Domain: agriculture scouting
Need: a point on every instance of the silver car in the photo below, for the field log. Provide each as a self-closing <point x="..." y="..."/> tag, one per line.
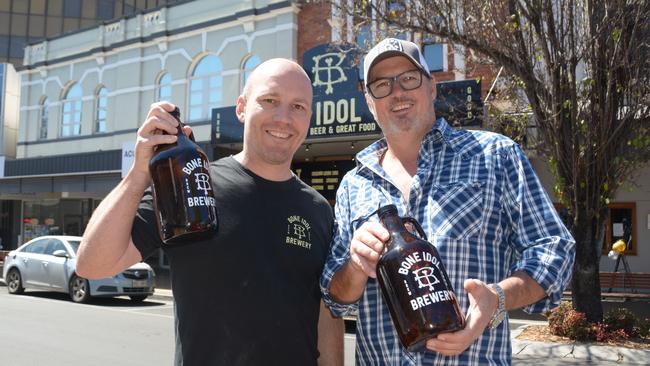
<point x="49" y="262"/>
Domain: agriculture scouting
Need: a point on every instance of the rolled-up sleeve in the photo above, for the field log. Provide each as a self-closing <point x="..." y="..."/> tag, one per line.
<point x="339" y="251"/>
<point x="545" y="248"/>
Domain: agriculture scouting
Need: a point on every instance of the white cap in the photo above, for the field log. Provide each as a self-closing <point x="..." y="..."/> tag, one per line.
<point x="390" y="47"/>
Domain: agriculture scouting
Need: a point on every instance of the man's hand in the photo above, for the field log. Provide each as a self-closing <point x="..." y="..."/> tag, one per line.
<point x="150" y="134"/>
<point x="367" y="246"/>
<point x="483" y="302"/>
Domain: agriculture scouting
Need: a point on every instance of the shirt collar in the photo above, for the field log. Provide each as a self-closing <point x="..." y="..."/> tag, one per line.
<point x="370" y="156"/>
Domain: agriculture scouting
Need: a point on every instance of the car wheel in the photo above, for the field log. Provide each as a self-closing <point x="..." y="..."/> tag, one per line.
<point x="14" y="282"/>
<point x="138" y="298"/>
<point x="79" y="289"/>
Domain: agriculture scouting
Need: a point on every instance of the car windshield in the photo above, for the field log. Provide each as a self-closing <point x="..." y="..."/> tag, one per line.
<point x="75" y="245"/>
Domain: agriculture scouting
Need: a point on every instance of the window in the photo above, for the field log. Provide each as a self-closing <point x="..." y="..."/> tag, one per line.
<point x="101" y="101"/>
<point x="53" y="246"/>
<point x="37" y="7"/>
<point x="247" y="68"/>
<point x="621" y="224"/>
<point x="206" y="88"/>
<point x="45" y="110"/>
<point x="71" y="123"/>
<point x="433" y="54"/>
<point x="164" y="87"/>
<point x="37" y="247"/>
<point x="105" y="9"/>
<point x="72" y="8"/>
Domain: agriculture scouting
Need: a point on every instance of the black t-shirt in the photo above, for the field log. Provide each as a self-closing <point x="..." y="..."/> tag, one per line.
<point x="250" y="295"/>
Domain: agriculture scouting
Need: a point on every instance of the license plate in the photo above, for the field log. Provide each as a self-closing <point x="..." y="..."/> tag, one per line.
<point x="139" y="283"/>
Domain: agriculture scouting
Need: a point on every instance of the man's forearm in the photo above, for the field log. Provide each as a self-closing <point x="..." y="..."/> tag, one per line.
<point x="330" y="338"/>
<point x="521" y="290"/>
<point x="105" y="245"/>
<point x="348" y="284"/>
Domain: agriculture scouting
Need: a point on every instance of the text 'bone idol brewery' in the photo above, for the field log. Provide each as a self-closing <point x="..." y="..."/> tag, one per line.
<point x="183" y="198"/>
<point x="413" y="280"/>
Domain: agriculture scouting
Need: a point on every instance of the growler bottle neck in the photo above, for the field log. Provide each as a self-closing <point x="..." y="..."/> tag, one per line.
<point x="393" y="223"/>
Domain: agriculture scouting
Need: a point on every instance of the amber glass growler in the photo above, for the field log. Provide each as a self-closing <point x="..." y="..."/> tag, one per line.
<point x="413" y="280"/>
<point x="183" y="198"/>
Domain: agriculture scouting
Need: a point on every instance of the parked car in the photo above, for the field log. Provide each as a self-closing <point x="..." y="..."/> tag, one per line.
<point x="49" y="262"/>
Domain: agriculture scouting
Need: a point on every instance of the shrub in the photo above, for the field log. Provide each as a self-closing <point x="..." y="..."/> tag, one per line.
<point x="618" y="324"/>
<point x="576" y="327"/>
<point x="600" y="332"/>
<point x="643" y="326"/>
<point x="556" y="318"/>
<point x="621" y="319"/>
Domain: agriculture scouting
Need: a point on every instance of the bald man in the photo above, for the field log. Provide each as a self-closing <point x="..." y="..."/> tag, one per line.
<point x="249" y="295"/>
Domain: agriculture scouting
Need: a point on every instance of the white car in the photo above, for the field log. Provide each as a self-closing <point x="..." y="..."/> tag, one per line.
<point x="49" y="262"/>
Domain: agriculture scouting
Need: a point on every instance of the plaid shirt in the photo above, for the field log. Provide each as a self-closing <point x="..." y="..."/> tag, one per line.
<point x="481" y="205"/>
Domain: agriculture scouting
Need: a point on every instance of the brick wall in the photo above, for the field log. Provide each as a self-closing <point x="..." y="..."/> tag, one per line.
<point x="313" y="28"/>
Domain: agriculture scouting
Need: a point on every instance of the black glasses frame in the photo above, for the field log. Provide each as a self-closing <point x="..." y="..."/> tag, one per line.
<point x="391" y="80"/>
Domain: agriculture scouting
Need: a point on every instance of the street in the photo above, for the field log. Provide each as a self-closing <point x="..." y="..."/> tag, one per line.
<point x="47" y="329"/>
<point x="41" y="328"/>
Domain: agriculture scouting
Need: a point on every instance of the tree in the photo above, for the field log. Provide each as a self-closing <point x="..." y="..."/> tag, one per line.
<point x="584" y="68"/>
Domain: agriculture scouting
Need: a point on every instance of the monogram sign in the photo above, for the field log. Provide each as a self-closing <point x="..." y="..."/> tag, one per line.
<point x="339" y="106"/>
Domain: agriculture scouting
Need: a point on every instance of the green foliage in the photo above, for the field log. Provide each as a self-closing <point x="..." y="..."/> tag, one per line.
<point x="621" y="319"/>
<point x="644" y="327"/>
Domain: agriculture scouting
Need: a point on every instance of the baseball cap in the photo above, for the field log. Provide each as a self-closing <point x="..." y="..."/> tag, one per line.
<point x="394" y="47"/>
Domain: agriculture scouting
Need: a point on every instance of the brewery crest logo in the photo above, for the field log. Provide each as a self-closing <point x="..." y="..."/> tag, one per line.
<point x="327" y="70"/>
<point x="298" y="232"/>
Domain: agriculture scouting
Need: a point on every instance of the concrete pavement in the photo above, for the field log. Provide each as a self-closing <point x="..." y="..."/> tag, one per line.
<point x="539" y="353"/>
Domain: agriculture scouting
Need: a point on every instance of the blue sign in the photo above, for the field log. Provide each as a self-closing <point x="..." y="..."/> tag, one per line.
<point x="339" y="104"/>
<point x="226" y="127"/>
<point x="459" y="102"/>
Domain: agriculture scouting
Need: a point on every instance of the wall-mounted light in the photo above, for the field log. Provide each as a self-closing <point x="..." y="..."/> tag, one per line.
<point x="352" y="145"/>
<point x="307" y="147"/>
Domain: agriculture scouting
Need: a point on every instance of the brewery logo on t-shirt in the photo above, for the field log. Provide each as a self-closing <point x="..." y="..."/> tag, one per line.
<point x="298" y="232"/>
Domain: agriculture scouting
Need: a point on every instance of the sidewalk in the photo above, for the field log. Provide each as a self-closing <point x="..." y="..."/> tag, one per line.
<point x="540" y="353"/>
<point x="530" y="352"/>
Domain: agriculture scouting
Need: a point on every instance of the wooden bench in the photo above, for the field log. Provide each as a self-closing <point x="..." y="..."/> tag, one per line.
<point x="632" y="285"/>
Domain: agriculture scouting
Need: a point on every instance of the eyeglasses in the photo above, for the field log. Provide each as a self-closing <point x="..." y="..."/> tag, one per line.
<point x="408" y="80"/>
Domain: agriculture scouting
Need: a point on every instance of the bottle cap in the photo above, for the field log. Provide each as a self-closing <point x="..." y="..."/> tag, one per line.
<point x="176" y="113"/>
<point x="388" y="209"/>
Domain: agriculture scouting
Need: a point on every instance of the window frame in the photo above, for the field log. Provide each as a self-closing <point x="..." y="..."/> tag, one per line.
<point x="99" y="123"/>
<point x="44" y="118"/>
<point x="610" y="238"/>
<point x="160" y="86"/>
<point x="75" y="123"/>
<point x="204" y="81"/>
<point x="246" y="70"/>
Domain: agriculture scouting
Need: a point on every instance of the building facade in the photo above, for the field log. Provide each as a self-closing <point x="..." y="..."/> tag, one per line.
<point x="84" y="95"/>
<point x="28" y="21"/>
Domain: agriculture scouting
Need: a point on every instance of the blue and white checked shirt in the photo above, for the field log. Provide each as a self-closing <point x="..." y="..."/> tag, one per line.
<point x="480" y="203"/>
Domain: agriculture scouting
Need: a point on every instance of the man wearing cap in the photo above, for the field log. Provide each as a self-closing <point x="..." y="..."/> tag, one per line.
<point x="478" y="200"/>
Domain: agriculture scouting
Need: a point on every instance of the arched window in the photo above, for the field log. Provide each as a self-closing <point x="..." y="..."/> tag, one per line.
<point x="247" y="68"/>
<point x="206" y="88"/>
<point x="71" y="123"/>
<point x="101" y="102"/>
<point x="45" y="111"/>
<point x="164" y="87"/>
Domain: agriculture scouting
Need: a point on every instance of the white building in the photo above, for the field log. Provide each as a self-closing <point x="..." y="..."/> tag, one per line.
<point x="85" y="94"/>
